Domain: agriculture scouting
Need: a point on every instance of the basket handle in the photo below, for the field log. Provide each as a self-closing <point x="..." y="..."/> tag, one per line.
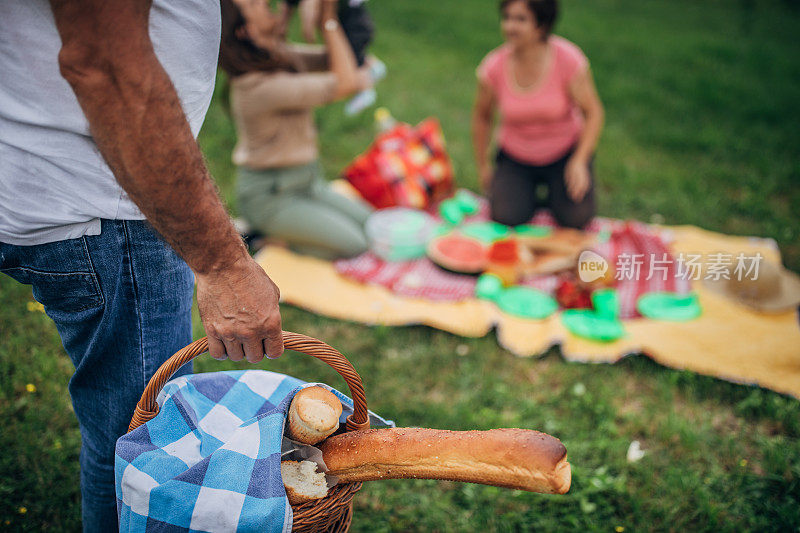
<point x="147" y="407"/>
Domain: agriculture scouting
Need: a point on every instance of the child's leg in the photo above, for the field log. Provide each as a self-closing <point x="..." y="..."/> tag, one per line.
<point x="358" y="27"/>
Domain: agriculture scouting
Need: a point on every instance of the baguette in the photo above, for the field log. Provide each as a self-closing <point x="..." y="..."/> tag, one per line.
<point x="513" y="458"/>
<point x="313" y="415"/>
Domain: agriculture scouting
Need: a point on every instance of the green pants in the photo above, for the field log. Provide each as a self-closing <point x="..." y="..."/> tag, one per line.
<point x="296" y="205"/>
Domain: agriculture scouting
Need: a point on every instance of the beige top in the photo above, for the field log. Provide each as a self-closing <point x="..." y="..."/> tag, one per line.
<point x="274" y="111"/>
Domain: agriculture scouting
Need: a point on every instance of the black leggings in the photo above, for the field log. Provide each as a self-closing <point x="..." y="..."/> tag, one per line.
<point x="358" y="28"/>
<point x="513" y="198"/>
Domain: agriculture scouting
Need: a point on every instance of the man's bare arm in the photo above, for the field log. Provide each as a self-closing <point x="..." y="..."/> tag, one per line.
<point x="139" y="126"/>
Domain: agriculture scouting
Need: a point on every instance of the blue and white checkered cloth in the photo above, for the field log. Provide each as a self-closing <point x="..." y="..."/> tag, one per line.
<point x="210" y="459"/>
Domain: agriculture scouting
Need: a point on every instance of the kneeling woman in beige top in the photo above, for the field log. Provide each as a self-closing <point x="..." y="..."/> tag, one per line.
<point x="275" y="87"/>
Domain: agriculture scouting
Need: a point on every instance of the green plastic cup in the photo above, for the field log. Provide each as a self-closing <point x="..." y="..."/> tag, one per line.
<point x="488" y="287"/>
<point x="451" y="212"/>
<point x="467" y="202"/>
<point x="589" y="325"/>
<point x="606" y="302"/>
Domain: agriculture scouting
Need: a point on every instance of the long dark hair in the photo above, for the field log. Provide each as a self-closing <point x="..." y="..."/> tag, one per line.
<point x="545" y="12"/>
<point x="239" y="56"/>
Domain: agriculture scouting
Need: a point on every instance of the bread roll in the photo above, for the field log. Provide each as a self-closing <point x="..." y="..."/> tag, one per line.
<point x="513" y="458"/>
<point x="302" y="481"/>
<point x="313" y="415"/>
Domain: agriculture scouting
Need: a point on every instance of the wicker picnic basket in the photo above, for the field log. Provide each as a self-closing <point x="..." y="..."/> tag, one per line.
<point x="332" y="513"/>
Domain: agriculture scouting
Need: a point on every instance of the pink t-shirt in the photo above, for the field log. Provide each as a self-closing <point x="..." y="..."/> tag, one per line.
<point x="539" y="125"/>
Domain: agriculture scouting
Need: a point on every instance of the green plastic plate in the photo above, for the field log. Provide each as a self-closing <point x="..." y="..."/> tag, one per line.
<point x="486" y="232"/>
<point x="533" y="231"/>
<point x="669" y="306"/>
<point x="589" y="325"/>
<point x="526" y="302"/>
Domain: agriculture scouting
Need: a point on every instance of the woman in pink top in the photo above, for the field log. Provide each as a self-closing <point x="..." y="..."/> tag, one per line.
<point x="550" y="119"/>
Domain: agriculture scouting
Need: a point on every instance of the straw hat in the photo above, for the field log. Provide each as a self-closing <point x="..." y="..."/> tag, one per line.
<point x="774" y="289"/>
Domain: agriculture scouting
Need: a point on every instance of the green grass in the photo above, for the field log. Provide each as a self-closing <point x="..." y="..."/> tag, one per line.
<point x="701" y="125"/>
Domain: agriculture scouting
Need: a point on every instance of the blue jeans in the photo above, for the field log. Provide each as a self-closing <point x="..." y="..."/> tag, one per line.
<point x="121" y="302"/>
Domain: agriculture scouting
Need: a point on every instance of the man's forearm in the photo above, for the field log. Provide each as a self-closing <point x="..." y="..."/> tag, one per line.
<point x="139" y="126"/>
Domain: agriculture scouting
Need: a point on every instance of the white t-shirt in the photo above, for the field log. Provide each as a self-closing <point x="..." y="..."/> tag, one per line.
<point x="54" y="184"/>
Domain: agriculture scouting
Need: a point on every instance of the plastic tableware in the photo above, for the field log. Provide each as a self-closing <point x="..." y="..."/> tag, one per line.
<point x="532" y="230"/>
<point x="399" y="233"/>
<point x="526" y="302"/>
<point x="603" y="236"/>
<point x="462" y="204"/>
<point x="486" y="232"/>
<point x="451" y="212"/>
<point x="669" y="306"/>
<point x="488" y="287"/>
<point x="606" y="302"/>
<point x="467" y="202"/>
<point x="589" y="325"/>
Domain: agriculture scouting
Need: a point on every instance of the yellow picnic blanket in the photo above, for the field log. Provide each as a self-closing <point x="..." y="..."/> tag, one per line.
<point x="728" y="341"/>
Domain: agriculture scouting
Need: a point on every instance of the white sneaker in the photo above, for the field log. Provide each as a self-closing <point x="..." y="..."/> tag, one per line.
<point x="377" y="69"/>
<point x="360" y="102"/>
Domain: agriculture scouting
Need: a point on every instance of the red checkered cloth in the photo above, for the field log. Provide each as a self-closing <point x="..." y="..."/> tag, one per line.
<point x="421" y="278"/>
<point x="644" y="264"/>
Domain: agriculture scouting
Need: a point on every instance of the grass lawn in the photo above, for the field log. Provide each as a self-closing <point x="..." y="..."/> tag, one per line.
<point x="701" y="104"/>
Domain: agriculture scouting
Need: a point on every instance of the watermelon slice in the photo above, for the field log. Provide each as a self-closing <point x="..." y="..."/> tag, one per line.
<point x="458" y="253"/>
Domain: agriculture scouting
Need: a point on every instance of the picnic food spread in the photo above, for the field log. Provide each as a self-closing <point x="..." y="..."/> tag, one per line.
<point x="491" y="247"/>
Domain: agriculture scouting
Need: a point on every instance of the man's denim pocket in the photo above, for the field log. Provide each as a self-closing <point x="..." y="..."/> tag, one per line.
<point x="61" y="274"/>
